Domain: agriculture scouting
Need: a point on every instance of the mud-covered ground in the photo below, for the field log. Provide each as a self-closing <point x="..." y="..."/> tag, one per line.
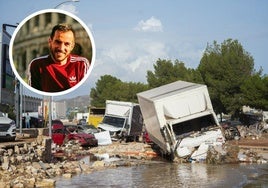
<point x="261" y="141"/>
<point x="21" y="168"/>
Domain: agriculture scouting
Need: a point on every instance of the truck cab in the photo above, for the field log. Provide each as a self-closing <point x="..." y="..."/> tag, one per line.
<point x="123" y="120"/>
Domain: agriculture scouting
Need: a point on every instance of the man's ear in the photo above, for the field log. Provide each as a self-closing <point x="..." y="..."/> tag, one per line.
<point x="73" y="45"/>
<point x="49" y="40"/>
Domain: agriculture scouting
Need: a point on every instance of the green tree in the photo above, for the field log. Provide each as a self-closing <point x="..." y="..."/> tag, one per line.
<point x="71" y="116"/>
<point x="224" y="68"/>
<point x="255" y="91"/>
<point x="135" y="88"/>
<point x="103" y="90"/>
<point x="111" y="88"/>
<point x="165" y="71"/>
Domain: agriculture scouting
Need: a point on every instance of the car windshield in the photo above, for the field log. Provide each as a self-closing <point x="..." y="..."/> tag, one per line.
<point x="1" y="114"/>
<point x="114" y="121"/>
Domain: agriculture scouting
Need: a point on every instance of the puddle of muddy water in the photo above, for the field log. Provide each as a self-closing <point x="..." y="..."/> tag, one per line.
<point x="164" y="174"/>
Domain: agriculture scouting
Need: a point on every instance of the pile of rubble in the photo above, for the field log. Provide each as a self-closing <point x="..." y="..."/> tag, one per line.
<point x="134" y="150"/>
<point x="38" y="163"/>
<point x="250" y="147"/>
<point x="233" y="153"/>
<point x="22" y="166"/>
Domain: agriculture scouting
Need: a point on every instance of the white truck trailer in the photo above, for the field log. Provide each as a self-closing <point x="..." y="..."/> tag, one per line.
<point x="180" y="120"/>
<point x="123" y="120"/>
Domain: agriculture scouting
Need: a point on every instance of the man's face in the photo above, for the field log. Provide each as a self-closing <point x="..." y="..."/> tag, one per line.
<point x="61" y="45"/>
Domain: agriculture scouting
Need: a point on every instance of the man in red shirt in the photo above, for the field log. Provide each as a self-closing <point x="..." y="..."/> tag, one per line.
<point x="60" y="70"/>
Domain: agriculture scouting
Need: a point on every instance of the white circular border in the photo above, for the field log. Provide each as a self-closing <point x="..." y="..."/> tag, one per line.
<point x="91" y="63"/>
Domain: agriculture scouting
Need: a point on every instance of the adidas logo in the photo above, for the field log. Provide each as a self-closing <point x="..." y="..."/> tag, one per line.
<point x="72" y="79"/>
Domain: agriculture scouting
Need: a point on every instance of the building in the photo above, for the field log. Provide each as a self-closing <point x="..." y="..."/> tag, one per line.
<point x="7" y="77"/>
<point x="60" y="109"/>
<point x="11" y="98"/>
<point x="30" y="104"/>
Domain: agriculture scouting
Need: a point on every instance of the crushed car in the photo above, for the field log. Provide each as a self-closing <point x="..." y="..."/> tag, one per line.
<point x="58" y="134"/>
<point x="61" y="134"/>
<point x="89" y="129"/>
<point x="231" y="131"/>
<point x="256" y="123"/>
<point x="84" y="139"/>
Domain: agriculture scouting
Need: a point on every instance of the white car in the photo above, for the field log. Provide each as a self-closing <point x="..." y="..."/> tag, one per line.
<point x="7" y="128"/>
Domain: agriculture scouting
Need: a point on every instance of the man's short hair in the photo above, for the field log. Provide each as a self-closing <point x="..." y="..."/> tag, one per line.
<point x="61" y="27"/>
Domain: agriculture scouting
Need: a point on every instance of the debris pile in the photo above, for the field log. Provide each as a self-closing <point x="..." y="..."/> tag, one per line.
<point x="32" y="166"/>
<point x="36" y="164"/>
<point x="250" y="148"/>
<point x="133" y="150"/>
<point x="24" y="166"/>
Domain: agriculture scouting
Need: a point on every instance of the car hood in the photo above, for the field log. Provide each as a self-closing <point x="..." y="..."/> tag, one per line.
<point x="5" y="120"/>
<point x="108" y="127"/>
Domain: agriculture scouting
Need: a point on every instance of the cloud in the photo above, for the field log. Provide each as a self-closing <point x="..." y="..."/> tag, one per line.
<point x="150" y="25"/>
<point x="189" y="53"/>
<point x="69" y="8"/>
<point x="119" y="53"/>
<point x="130" y="60"/>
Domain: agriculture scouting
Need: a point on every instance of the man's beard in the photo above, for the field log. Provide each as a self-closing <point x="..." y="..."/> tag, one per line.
<point x="53" y="54"/>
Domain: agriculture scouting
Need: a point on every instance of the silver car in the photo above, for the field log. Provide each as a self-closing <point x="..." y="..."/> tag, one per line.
<point x="7" y="128"/>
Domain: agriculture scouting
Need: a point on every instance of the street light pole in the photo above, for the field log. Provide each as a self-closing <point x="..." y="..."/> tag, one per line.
<point x="50" y="97"/>
<point x="50" y="116"/>
<point x="65" y="2"/>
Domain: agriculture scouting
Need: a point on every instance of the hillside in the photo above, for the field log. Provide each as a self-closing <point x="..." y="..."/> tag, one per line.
<point x="80" y="102"/>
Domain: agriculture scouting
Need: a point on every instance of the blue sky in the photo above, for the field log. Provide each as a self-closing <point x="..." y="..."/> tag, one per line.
<point x="131" y="35"/>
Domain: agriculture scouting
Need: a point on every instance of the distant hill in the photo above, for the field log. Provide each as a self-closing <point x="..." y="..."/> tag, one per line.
<point x="81" y="102"/>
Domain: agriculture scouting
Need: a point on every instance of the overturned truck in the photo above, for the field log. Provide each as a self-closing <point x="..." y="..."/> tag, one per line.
<point x="180" y="120"/>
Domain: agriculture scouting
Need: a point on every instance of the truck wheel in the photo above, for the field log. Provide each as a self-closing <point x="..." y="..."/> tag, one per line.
<point x="12" y="139"/>
<point x="171" y="156"/>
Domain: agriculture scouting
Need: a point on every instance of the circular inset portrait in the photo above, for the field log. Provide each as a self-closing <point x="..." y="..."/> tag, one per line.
<point x="52" y="52"/>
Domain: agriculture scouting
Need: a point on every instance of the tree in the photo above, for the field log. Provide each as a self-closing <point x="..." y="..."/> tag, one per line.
<point x="166" y="72"/>
<point x="111" y="88"/>
<point x="224" y="68"/>
<point x="103" y="90"/>
<point x="135" y="88"/>
<point x="255" y="91"/>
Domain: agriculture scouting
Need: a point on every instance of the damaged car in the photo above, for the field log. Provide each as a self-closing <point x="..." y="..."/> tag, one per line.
<point x="62" y="134"/>
<point x="231" y="132"/>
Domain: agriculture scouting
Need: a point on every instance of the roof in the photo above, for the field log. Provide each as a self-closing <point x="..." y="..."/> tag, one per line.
<point x="169" y="90"/>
